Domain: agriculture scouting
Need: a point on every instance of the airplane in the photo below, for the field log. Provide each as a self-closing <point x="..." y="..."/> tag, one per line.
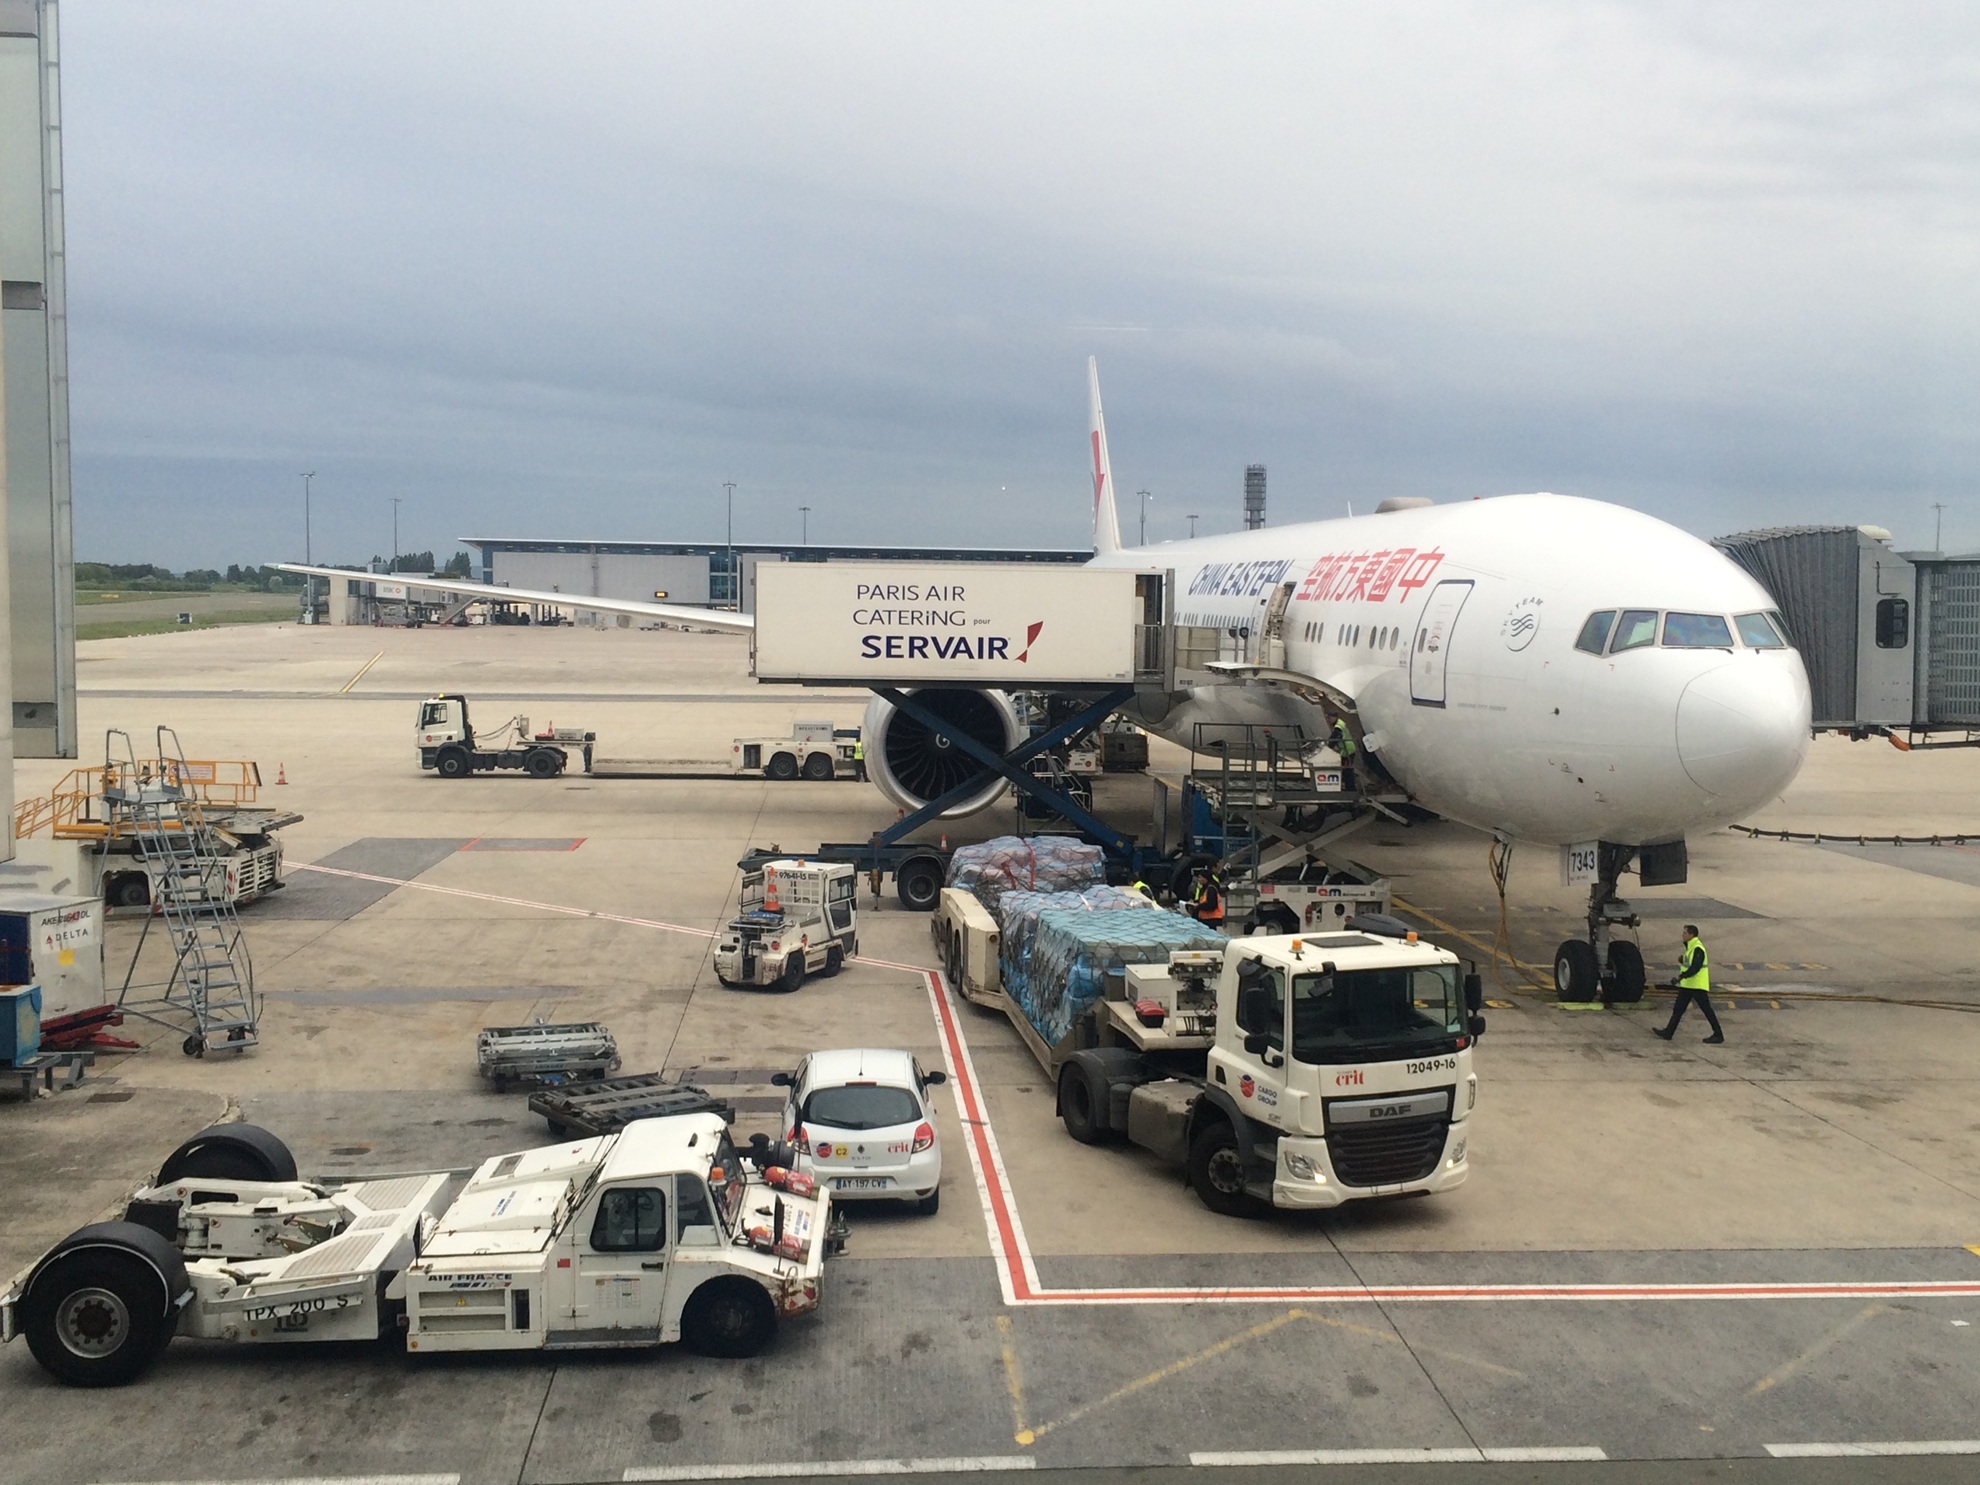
<point x="1549" y="669"/>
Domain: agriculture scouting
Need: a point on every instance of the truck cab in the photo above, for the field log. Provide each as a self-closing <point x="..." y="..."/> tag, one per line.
<point x="797" y="918"/>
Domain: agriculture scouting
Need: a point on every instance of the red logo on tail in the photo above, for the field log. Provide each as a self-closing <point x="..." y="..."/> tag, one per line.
<point x="1099" y="478"/>
<point x="1030" y="634"/>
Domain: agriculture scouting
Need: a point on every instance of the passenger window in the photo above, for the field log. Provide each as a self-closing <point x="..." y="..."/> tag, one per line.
<point x="630" y="1221"/>
<point x="1759" y="633"/>
<point x="1594" y="635"/>
<point x="1638" y="626"/>
<point x="1261" y="1002"/>
<point x="1893" y="623"/>
<point x="1697" y="632"/>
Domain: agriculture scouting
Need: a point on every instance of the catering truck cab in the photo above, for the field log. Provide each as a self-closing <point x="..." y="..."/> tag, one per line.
<point x="798" y="918"/>
<point x="657" y="1233"/>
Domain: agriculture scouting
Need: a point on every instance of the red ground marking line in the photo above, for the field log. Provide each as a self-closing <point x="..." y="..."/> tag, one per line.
<point x="1018" y="1275"/>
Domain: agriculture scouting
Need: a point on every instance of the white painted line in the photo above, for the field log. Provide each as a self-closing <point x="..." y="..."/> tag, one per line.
<point x="956" y="1464"/>
<point x="1874" y="1451"/>
<point x="325" y="1480"/>
<point x="1536" y="1454"/>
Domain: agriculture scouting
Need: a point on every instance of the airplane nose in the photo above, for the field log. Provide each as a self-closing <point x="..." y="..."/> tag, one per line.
<point x="1742" y="729"/>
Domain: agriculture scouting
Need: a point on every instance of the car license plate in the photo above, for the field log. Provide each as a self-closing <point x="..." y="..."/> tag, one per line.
<point x="862" y="1183"/>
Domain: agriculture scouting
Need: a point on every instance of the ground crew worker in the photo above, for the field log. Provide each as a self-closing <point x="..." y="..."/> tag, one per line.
<point x="1206" y="901"/>
<point x="1694" y="982"/>
<point x="1137" y="885"/>
<point x="859" y="759"/>
<point x="1343" y="740"/>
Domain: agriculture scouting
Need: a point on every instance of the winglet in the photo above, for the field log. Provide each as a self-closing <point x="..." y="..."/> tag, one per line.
<point x="1106" y="522"/>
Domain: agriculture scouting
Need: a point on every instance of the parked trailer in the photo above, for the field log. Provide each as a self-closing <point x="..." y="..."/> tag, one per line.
<point x="607" y="1106"/>
<point x="448" y="745"/>
<point x="545" y="1053"/>
<point x="1294" y="1071"/>
<point x="658" y="1233"/>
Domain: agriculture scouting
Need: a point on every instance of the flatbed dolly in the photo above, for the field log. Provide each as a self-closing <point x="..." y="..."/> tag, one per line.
<point x="581" y="1112"/>
<point x="545" y="1054"/>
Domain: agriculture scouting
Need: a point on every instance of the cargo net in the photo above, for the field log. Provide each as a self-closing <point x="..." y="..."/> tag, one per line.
<point x="1072" y="953"/>
<point x="1017" y="917"/>
<point x="1010" y="863"/>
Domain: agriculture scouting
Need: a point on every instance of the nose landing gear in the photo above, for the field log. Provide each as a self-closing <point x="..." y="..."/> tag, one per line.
<point x="1601" y="967"/>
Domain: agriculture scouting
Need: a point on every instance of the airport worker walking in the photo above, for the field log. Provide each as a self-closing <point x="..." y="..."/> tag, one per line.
<point x="859" y="760"/>
<point x="1694" y="983"/>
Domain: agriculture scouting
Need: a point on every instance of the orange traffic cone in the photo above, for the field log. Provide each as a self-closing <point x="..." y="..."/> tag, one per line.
<point x="281" y="773"/>
<point x="945" y="840"/>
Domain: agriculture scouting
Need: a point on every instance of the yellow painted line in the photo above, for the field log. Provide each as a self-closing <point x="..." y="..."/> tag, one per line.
<point x="1827" y="1343"/>
<point x="360" y="675"/>
<point x="1974" y="1249"/>
<point x="1014" y="1381"/>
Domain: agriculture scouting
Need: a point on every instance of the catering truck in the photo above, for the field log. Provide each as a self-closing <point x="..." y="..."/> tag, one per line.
<point x="1286" y="1071"/>
<point x="658" y="1232"/>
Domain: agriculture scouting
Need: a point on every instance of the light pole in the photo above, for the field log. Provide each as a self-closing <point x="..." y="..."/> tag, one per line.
<point x="735" y="588"/>
<point x="804" y="528"/>
<point x="307" y="476"/>
<point x="1938" y="524"/>
<point x="395" y="535"/>
<point x="1145" y="498"/>
<point x="1192" y="528"/>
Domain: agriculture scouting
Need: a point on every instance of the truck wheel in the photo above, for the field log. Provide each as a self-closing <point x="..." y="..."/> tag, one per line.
<point x="1078" y="1107"/>
<point x="1577" y="978"/>
<point x="1626" y="965"/>
<point x="1216" y="1171"/>
<point x="919" y="883"/>
<point x="727" y="983"/>
<point x="132" y="889"/>
<point x="728" y="1317"/>
<point x="793" y="975"/>
<point x="1275" y="919"/>
<point x="835" y="960"/>
<point x="453" y="763"/>
<point x="229" y="1152"/>
<point x="99" y="1309"/>
<point x="818" y="767"/>
<point x="781" y="766"/>
<point x="542" y="763"/>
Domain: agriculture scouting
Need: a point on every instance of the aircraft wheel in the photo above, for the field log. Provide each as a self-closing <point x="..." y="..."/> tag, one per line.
<point x="1577" y="977"/>
<point x="1626" y="969"/>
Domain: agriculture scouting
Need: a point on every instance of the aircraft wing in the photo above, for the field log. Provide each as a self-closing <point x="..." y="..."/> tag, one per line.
<point x="672" y="613"/>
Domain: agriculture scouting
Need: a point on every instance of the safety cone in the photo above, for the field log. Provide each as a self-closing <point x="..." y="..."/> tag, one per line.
<point x="945" y="840"/>
<point x="281" y="773"/>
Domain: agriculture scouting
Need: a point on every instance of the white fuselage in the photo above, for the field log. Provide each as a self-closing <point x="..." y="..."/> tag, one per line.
<point x="1453" y="627"/>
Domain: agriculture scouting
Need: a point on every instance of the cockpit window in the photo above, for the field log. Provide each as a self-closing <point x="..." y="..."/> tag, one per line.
<point x="1758" y="631"/>
<point x="1697" y="632"/>
<point x="1638" y="626"/>
<point x="1595" y="633"/>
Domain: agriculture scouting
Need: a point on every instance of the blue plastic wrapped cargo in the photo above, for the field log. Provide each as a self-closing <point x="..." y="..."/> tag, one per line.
<point x="1011" y="863"/>
<point x="1072" y="953"/>
<point x="1017" y="915"/>
<point x="20" y="1024"/>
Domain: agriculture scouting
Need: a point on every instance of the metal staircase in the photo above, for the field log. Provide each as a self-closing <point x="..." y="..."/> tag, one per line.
<point x="210" y="991"/>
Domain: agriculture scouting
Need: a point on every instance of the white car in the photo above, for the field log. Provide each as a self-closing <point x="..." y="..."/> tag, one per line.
<point x="860" y="1121"/>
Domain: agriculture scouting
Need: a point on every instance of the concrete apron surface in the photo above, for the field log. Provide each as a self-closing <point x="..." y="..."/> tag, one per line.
<point x="1830" y="1144"/>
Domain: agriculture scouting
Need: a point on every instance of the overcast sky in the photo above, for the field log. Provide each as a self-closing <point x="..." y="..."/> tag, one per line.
<point x="561" y="270"/>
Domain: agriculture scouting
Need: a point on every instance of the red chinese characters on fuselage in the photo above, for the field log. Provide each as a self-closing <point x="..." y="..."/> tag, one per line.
<point x="1368" y="577"/>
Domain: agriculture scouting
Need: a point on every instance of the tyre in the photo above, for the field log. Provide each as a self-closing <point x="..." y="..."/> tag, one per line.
<point x="835" y="960"/>
<point x="793" y="975"/>
<point x="919" y="883"/>
<point x="818" y="767"/>
<point x="781" y="766"/>
<point x="728" y="1317"/>
<point x="542" y="763"/>
<point x="930" y="1204"/>
<point x="1079" y="1109"/>
<point x="1577" y="978"/>
<point x="558" y="1131"/>
<point x="453" y="763"/>
<point x="1626" y="972"/>
<point x="99" y="1309"/>
<point x="1216" y="1171"/>
<point x="230" y="1152"/>
<point x="1275" y="919"/>
<point x="727" y="983"/>
<point x="132" y="889"/>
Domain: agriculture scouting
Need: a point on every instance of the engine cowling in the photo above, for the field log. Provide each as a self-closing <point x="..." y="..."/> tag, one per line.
<point x="912" y="764"/>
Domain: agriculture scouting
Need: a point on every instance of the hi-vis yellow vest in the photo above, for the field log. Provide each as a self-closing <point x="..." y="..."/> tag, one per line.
<point x="1702" y="980"/>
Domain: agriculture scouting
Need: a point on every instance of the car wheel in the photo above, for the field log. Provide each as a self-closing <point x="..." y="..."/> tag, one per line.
<point x="1216" y="1171"/>
<point x="229" y="1152"/>
<point x="728" y="1317"/>
<point x="782" y="766"/>
<point x="930" y="1204"/>
<point x="1577" y="978"/>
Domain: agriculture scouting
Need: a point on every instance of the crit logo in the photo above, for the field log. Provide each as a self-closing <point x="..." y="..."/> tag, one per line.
<point x="1246" y="1086"/>
<point x="1349" y="1079"/>
<point x="1031" y="632"/>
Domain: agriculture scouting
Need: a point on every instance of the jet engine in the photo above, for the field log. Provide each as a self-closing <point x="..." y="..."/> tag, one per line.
<point x="912" y="764"/>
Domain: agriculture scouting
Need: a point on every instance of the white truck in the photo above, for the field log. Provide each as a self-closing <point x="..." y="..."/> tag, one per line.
<point x="657" y="1233"/>
<point x="814" y="750"/>
<point x="448" y="745"/>
<point x="797" y="918"/>
<point x="1293" y="1071"/>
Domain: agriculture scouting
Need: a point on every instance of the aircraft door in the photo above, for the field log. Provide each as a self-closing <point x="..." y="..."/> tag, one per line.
<point x="1430" y="651"/>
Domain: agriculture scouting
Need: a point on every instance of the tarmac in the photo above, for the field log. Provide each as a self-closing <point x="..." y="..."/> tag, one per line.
<point x="1691" y="1262"/>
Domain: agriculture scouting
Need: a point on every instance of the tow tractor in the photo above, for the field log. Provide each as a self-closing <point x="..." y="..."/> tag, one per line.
<point x="1291" y="1071"/>
<point x="657" y="1233"/>
<point x="448" y="744"/>
<point x="797" y="918"/>
<point x="814" y="750"/>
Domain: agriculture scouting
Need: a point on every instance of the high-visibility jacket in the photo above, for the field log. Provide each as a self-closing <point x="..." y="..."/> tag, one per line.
<point x="1343" y="741"/>
<point x="859" y="751"/>
<point x="1141" y="887"/>
<point x="1207" y="902"/>
<point x="1696" y="973"/>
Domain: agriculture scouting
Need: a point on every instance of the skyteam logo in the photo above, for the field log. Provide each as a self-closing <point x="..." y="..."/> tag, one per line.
<point x="1521" y="624"/>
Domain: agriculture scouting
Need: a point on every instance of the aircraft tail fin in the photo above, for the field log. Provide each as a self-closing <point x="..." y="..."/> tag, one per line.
<point x="1106" y="520"/>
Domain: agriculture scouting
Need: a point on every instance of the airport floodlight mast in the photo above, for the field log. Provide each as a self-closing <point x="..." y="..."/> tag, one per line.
<point x="1145" y="498"/>
<point x="804" y="525"/>
<point x="307" y="476"/>
<point x="1938" y="525"/>
<point x="395" y="534"/>
<point x="735" y="587"/>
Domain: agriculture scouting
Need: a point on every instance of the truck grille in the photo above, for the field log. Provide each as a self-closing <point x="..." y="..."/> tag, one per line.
<point x="1387" y="1154"/>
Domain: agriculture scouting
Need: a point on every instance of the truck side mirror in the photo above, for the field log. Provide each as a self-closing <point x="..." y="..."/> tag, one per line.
<point x="1258" y="1042"/>
<point x="1255" y="1004"/>
<point x="1477" y="1027"/>
<point x="780" y="1080"/>
<point x="1474" y="993"/>
<point x="936" y="1079"/>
